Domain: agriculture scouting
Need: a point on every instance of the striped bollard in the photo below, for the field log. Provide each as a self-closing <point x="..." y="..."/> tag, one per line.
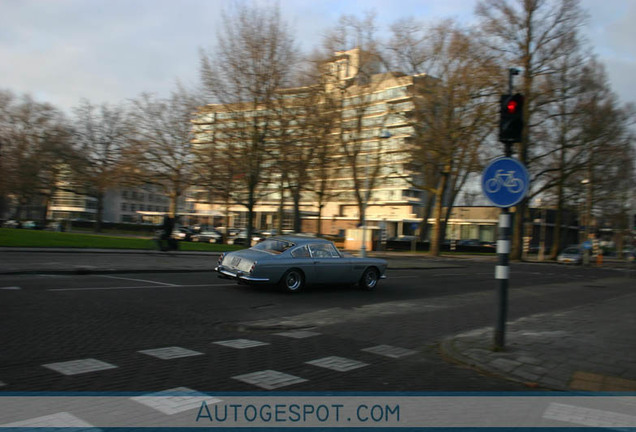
<point x="502" y="272"/>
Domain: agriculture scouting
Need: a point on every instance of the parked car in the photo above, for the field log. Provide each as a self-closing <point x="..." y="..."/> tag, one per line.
<point x="183" y="234"/>
<point x="208" y="236"/>
<point x="294" y="261"/>
<point x="570" y="255"/>
<point x="12" y="224"/>
<point x="34" y="225"/>
<point x="241" y="238"/>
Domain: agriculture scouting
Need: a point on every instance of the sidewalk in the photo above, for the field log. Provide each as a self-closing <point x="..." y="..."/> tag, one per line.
<point x="86" y="261"/>
<point x="586" y="348"/>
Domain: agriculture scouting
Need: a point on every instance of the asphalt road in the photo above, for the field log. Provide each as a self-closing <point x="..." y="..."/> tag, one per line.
<point x="152" y="332"/>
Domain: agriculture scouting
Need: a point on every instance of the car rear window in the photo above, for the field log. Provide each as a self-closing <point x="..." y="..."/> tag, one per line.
<point x="274" y="246"/>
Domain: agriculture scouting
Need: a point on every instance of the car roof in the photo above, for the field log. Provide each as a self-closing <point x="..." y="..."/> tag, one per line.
<point x="299" y="240"/>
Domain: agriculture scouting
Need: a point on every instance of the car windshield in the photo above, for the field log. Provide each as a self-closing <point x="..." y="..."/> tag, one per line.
<point x="571" y="251"/>
<point x="274" y="246"/>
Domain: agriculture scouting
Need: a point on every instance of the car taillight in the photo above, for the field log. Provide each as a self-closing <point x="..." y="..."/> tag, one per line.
<point x="221" y="258"/>
<point x="253" y="267"/>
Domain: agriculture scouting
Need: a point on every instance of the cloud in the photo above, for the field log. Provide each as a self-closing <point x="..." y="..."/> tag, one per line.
<point x="112" y="50"/>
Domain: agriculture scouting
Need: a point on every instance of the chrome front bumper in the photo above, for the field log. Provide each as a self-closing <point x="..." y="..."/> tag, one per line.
<point x="240" y="276"/>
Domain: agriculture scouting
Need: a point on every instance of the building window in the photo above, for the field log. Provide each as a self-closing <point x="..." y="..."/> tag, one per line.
<point x="124" y="207"/>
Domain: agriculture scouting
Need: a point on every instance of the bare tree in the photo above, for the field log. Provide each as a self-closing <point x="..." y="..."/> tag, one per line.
<point x="352" y="78"/>
<point x="100" y="140"/>
<point x="34" y="139"/>
<point x="532" y="35"/>
<point x="254" y="59"/>
<point x="162" y="148"/>
<point x="452" y="118"/>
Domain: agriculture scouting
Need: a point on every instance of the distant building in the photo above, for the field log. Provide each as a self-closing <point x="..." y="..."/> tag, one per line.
<point x="378" y="104"/>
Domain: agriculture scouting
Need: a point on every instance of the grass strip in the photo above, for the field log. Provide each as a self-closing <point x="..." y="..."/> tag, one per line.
<point x="35" y="238"/>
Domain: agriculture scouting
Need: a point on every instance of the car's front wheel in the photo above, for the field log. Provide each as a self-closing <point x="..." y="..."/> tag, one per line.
<point x="369" y="279"/>
<point x="293" y="281"/>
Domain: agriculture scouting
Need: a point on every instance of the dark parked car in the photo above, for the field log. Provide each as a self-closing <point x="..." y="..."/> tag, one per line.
<point x="241" y="238"/>
<point x="183" y="234"/>
<point x="208" y="236"/>
<point x="294" y="261"/>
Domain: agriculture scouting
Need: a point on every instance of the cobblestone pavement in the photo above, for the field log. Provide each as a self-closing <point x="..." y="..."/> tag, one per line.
<point x="586" y="348"/>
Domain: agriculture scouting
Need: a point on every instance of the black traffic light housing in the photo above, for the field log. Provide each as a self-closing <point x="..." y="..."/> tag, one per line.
<point x="511" y="118"/>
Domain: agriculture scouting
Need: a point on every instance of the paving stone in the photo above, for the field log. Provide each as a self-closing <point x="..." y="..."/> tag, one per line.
<point x="529" y="360"/>
<point x="526" y="375"/>
<point x="505" y="364"/>
<point x="75" y="367"/>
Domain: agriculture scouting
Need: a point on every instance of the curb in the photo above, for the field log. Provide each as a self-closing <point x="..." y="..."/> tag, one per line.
<point x="450" y="354"/>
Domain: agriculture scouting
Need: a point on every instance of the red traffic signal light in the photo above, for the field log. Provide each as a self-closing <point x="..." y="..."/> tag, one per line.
<point x="511" y="118"/>
<point x="512" y="106"/>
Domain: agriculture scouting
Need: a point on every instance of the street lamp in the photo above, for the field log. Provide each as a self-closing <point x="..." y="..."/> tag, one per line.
<point x="588" y="216"/>
<point x="363" y="245"/>
<point x="542" y="227"/>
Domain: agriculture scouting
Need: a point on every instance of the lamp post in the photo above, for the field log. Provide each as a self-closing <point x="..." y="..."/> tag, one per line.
<point x="541" y="256"/>
<point x="588" y="216"/>
<point x="367" y="193"/>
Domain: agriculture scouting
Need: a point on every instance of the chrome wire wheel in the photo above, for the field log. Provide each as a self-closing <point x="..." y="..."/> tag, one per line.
<point x="369" y="279"/>
<point x="293" y="281"/>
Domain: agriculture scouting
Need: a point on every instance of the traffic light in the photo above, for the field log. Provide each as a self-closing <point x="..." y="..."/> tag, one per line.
<point x="511" y="118"/>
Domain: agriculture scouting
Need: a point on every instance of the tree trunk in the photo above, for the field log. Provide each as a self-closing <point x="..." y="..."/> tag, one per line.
<point x="439" y="203"/>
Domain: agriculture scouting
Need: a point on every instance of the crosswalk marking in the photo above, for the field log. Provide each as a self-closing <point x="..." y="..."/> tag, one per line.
<point x="269" y="379"/>
<point x="169" y="353"/>
<point x="57" y="420"/>
<point x="75" y="367"/>
<point x="339" y="364"/>
<point x="176" y="400"/>
<point x="241" y="343"/>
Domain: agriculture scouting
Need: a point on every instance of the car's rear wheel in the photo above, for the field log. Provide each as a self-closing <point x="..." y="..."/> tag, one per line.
<point x="369" y="279"/>
<point x="293" y="280"/>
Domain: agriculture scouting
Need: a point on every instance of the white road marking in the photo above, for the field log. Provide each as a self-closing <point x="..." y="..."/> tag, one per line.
<point x="175" y="400"/>
<point x="139" y="280"/>
<point x="588" y="416"/>
<point x="75" y="367"/>
<point x="169" y="353"/>
<point x="11" y="288"/>
<point x="269" y="379"/>
<point x="241" y="343"/>
<point x="141" y="287"/>
<point x="58" y="420"/>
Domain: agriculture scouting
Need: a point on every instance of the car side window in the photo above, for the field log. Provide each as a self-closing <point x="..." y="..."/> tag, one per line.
<point x="323" y="250"/>
<point x="301" y="252"/>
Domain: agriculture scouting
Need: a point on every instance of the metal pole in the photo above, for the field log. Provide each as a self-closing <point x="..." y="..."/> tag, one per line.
<point x="363" y="247"/>
<point x="502" y="270"/>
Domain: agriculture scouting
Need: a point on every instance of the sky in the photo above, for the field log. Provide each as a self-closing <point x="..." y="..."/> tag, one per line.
<point x="109" y="51"/>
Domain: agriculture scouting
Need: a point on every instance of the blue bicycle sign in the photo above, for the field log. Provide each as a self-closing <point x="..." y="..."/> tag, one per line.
<point x="505" y="182"/>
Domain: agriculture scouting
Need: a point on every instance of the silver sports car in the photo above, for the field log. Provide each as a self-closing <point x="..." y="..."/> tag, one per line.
<point x="294" y="261"/>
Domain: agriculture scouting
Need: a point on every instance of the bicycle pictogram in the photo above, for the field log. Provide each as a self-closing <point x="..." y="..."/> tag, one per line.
<point x="504" y="179"/>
